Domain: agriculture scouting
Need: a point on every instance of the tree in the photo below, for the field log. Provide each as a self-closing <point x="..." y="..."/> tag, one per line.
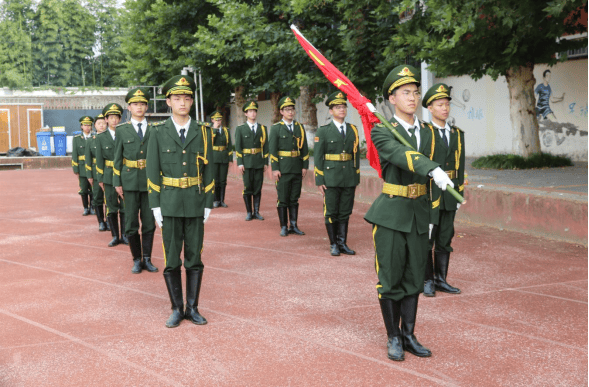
<point x="63" y="38"/>
<point x="15" y="47"/>
<point x="495" y="38"/>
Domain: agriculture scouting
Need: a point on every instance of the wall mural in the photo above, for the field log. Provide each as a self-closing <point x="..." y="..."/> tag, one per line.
<point x="553" y="130"/>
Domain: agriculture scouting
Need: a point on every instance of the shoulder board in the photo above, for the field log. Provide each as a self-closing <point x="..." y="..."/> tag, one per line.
<point x="457" y="128"/>
<point x="123" y="123"/>
<point x="280" y="123"/>
<point x="380" y="125"/>
<point x="156" y="123"/>
<point x="78" y="136"/>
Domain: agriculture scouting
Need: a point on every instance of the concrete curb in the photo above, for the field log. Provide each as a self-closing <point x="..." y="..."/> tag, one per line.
<point x="39" y="162"/>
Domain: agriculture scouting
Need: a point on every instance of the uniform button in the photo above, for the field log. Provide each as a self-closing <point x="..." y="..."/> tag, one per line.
<point x="184" y="151"/>
<point x="128" y="170"/>
<point x="184" y="163"/>
<point x="141" y="151"/>
<point x="168" y="150"/>
<point x="344" y="166"/>
<point x="185" y="174"/>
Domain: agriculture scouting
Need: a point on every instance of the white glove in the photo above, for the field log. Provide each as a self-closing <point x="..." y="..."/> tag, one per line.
<point x="431" y="227"/>
<point x="207" y="214"/>
<point x="441" y="179"/>
<point x="157" y="214"/>
<point x="457" y="206"/>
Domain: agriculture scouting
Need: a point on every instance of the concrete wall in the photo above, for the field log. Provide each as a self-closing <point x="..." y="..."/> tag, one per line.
<point x="481" y="109"/>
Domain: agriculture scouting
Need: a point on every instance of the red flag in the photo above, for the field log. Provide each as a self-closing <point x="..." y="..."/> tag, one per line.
<point x="357" y="100"/>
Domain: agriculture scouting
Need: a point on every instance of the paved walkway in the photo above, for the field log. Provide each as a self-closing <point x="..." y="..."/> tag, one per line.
<point x="281" y="311"/>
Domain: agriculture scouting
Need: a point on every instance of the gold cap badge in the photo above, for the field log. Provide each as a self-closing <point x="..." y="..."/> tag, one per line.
<point x="441" y="89"/>
<point x="406" y="72"/>
<point x="182" y="82"/>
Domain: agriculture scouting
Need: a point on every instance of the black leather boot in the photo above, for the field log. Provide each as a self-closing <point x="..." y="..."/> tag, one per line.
<point x="124" y="239"/>
<point x="257" y="199"/>
<point x="135" y="246"/>
<point x="100" y="216"/>
<point x="248" y="206"/>
<point x="429" y="289"/>
<point x="442" y="260"/>
<point x="342" y="237"/>
<point x="216" y="200"/>
<point x="90" y="198"/>
<point x="408" y="316"/>
<point x="113" y="219"/>
<point x="147" y="246"/>
<point x="294" y="215"/>
<point x="193" y="283"/>
<point x="282" y="217"/>
<point x="222" y="196"/>
<point x="174" y="284"/>
<point x="391" y="314"/>
<point x="331" y="227"/>
<point x="441" y="265"/>
<point x="85" y="204"/>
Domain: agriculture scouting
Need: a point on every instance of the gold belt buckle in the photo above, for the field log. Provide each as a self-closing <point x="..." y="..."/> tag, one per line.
<point x="412" y="191"/>
<point x="294" y="153"/>
<point x="183" y="183"/>
<point x="140" y="164"/>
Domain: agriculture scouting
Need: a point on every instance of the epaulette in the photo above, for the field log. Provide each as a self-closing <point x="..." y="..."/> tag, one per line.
<point x="78" y="135"/>
<point x="199" y="123"/>
<point x="380" y="125"/>
<point x="157" y="123"/>
<point x="123" y="123"/>
<point x="457" y="128"/>
<point x="94" y="137"/>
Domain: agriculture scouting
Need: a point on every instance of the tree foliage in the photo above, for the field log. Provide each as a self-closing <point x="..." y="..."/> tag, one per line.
<point x="15" y="46"/>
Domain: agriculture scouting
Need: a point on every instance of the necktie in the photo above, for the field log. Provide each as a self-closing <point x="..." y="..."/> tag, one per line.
<point x="341" y="130"/>
<point x="290" y="127"/>
<point x="413" y="138"/>
<point x="140" y="132"/>
<point x="444" y="138"/>
<point x="254" y="129"/>
<point x="182" y="136"/>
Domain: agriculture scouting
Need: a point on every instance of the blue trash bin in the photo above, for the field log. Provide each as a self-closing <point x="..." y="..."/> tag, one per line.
<point x="60" y="142"/>
<point x="44" y="143"/>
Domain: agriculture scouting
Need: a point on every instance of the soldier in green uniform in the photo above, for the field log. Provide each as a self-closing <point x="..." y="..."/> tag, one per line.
<point x="130" y="180"/>
<point x="181" y="185"/>
<point x="97" y="193"/>
<point x="289" y="159"/>
<point x="79" y="143"/>
<point x="222" y="156"/>
<point x="401" y="214"/>
<point x="105" y="155"/>
<point x="450" y="155"/>
<point x="337" y="171"/>
<point x="251" y="149"/>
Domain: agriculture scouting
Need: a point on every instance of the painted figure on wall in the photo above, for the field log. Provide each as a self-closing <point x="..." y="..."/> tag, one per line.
<point x="544" y="91"/>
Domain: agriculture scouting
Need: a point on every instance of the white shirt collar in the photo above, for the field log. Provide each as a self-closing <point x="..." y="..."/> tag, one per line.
<point x="112" y="133"/>
<point x="287" y="123"/>
<point x="407" y="125"/>
<point x="252" y="126"/>
<point x="446" y="127"/>
<point x="185" y="126"/>
<point x="338" y="125"/>
<point x="143" y="124"/>
<point x="86" y="137"/>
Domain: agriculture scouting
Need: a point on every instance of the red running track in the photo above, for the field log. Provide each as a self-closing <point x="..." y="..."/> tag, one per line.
<point x="281" y="311"/>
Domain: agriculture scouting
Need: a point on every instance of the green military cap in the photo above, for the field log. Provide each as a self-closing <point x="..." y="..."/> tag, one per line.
<point x="179" y="85"/>
<point x="86" y="120"/>
<point x="137" y="95"/>
<point x="285" y="101"/>
<point x="399" y="76"/>
<point x="437" y="91"/>
<point x="336" y="98"/>
<point x="113" y="109"/>
<point x="216" y="115"/>
<point x="99" y="117"/>
<point x="250" y="105"/>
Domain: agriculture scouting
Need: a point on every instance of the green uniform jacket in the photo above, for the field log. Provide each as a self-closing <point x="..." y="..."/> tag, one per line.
<point x="128" y="146"/>
<point x="225" y="156"/>
<point x="244" y="139"/>
<point x="167" y="156"/>
<point x="450" y="158"/>
<point x="328" y="140"/>
<point x="79" y="150"/>
<point x="282" y="140"/>
<point x="90" y="154"/>
<point x="105" y="151"/>
<point x="403" y="166"/>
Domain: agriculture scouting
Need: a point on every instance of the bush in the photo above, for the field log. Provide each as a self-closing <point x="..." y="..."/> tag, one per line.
<point x="507" y="161"/>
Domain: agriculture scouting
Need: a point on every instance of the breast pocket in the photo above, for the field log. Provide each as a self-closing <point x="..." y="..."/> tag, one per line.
<point x="333" y="146"/>
<point x="168" y="154"/>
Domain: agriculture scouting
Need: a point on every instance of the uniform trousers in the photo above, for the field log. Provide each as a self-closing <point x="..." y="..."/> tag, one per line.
<point x="253" y="178"/>
<point x="187" y="231"/>
<point x="443" y="233"/>
<point x="114" y="203"/>
<point x="97" y="194"/>
<point x="136" y="207"/>
<point x="289" y="189"/>
<point x="221" y="170"/>
<point x="338" y="203"/>
<point x="84" y="184"/>
<point x="399" y="261"/>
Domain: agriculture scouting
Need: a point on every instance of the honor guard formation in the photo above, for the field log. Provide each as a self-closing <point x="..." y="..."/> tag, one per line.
<point x="174" y="173"/>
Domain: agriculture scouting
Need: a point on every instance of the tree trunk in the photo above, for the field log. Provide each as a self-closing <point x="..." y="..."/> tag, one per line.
<point x="276" y="116"/>
<point x="308" y="113"/>
<point x="239" y="102"/>
<point x="521" y="81"/>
